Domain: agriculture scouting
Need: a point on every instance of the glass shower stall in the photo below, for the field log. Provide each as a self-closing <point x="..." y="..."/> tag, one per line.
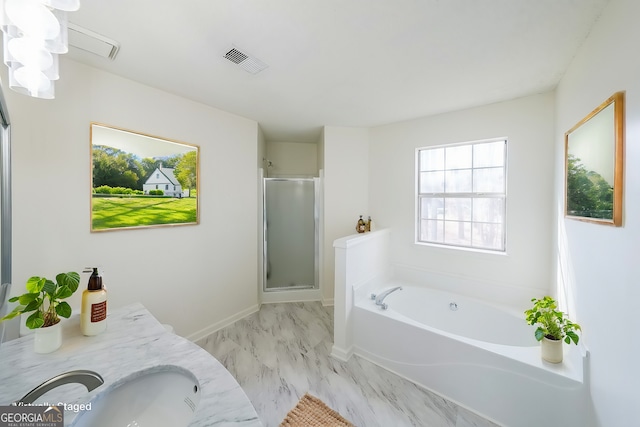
<point x="290" y="234"/>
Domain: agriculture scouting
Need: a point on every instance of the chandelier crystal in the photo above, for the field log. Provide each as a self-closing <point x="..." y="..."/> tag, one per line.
<point x="34" y="34"/>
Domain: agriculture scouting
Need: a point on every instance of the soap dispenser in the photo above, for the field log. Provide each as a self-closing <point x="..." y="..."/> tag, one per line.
<point x="93" y="316"/>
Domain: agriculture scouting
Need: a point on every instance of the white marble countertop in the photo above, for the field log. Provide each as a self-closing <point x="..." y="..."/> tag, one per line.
<point x="134" y="340"/>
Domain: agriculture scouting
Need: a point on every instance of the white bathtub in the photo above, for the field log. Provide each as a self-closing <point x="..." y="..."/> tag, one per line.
<point x="480" y="356"/>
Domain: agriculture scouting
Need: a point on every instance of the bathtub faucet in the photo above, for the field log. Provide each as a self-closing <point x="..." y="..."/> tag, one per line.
<point x="380" y="298"/>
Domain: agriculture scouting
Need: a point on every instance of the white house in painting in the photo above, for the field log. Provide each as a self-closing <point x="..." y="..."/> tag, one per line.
<point x="163" y="179"/>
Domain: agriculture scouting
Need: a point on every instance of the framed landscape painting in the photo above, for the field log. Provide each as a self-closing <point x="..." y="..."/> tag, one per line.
<point x="140" y="180"/>
<point x="594" y="161"/>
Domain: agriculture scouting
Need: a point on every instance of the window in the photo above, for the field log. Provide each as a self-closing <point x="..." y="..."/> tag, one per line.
<point x="461" y="195"/>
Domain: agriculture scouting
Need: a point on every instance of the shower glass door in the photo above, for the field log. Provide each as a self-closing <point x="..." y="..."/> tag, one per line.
<point x="290" y="219"/>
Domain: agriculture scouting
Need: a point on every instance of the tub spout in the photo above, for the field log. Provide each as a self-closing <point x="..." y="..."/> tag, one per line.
<point x="380" y="298"/>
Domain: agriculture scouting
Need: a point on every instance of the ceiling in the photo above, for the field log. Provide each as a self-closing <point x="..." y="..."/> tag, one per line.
<point x="340" y="62"/>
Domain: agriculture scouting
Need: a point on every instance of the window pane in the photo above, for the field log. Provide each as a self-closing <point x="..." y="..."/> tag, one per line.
<point x="457" y="209"/>
<point x="458" y="157"/>
<point x="458" y="181"/>
<point x="488" y="210"/>
<point x="489" y="236"/>
<point x="461" y="195"/>
<point x="432" y="159"/>
<point x="432" y="182"/>
<point x="431" y="208"/>
<point x="488" y="180"/>
<point x="457" y="233"/>
<point x="432" y="231"/>
<point x="488" y="154"/>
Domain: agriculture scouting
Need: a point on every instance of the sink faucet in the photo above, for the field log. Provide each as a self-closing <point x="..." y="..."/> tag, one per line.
<point x="89" y="379"/>
<point x="380" y="298"/>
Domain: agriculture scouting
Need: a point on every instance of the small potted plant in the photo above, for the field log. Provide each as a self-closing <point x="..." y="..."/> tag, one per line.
<point x="44" y="298"/>
<point x="553" y="328"/>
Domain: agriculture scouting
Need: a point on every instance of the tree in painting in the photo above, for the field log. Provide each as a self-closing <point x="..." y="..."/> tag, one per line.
<point x="588" y="193"/>
<point x="186" y="171"/>
<point x="116" y="168"/>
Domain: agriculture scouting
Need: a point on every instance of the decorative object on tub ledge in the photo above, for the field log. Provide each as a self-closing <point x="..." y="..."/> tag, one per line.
<point x="361" y="226"/>
<point x="313" y="412"/>
<point x="553" y="327"/>
<point x="44" y="297"/>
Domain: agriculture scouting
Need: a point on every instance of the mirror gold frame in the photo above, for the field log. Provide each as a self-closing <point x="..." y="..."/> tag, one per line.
<point x="140" y="180"/>
<point x="594" y="161"/>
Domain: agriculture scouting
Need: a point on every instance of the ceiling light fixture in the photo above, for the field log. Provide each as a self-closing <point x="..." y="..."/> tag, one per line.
<point x="34" y="34"/>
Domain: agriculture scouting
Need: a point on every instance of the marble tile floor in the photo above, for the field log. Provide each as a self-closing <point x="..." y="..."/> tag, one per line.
<point x="282" y="352"/>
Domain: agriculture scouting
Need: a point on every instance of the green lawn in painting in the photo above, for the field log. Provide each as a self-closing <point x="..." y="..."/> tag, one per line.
<point x="119" y="212"/>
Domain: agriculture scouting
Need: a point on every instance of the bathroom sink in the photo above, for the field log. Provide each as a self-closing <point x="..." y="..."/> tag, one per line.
<point x="156" y="397"/>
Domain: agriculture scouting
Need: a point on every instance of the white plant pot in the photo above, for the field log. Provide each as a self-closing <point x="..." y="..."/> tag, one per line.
<point x="49" y="339"/>
<point x="551" y="350"/>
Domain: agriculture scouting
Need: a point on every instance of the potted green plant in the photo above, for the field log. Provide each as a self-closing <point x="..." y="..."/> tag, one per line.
<point x="553" y="327"/>
<point x="44" y="298"/>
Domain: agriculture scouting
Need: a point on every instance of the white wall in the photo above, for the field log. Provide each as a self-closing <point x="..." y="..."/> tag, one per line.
<point x="262" y="173"/>
<point x="362" y="262"/>
<point x="262" y="149"/>
<point x="216" y="278"/>
<point x="292" y="159"/>
<point x="321" y="223"/>
<point x="596" y="265"/>
<point x="320" y="147"/>
<point x="346" y="191"/>
<point x="528" y="125"/>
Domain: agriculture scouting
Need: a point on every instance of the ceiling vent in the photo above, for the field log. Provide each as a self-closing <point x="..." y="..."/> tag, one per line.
<point x="92" y="42"/>
<point x="245" y="61"/>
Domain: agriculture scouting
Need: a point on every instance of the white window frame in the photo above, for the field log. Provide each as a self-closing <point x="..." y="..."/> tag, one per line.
<point x="470" y="195"/>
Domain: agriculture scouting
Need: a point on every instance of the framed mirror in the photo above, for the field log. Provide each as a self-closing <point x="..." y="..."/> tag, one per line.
<point x="140" y="180"/>
<point x="594" y="158"/>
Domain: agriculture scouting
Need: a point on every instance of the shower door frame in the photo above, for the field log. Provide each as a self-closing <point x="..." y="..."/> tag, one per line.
<point x="5" y="210"/>
<point x="316" y="237"/>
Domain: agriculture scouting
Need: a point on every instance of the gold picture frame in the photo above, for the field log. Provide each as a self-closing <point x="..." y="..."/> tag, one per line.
<point x="594" y="161"/>
<point x="140" y="180"/>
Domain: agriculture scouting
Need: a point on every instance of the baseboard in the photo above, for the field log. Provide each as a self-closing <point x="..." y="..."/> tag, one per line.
<point x="300" y="295"/>
<point x="202" y="333"/>
<point x="341" y="354"/>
